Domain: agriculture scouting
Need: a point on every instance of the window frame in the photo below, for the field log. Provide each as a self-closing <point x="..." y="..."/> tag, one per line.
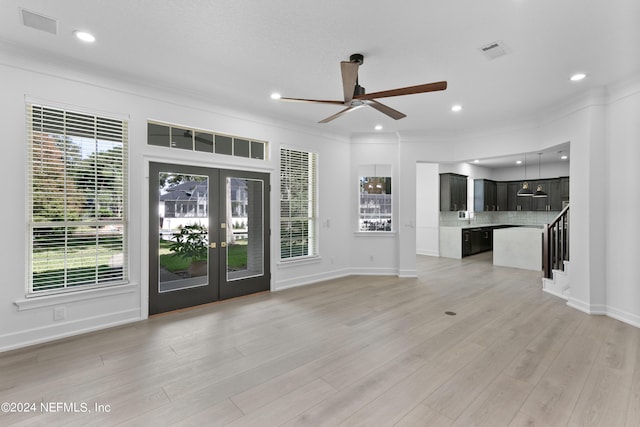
<point x="311" y="219"/>
<point x="378" y="174"/>
<point x="64" y="127"/>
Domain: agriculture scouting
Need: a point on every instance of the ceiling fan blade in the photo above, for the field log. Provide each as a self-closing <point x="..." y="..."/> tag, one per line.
<point x="429" y="87"/>
<point x="317" y="101"/>
<point x="340" y="113"/>
<point x="349" y="79"/>
<point x="394" y="114"/>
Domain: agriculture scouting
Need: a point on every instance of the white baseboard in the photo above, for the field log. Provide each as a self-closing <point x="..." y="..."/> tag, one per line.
<point x="310" y="279"/>
<point x="624" y="316"/>
<point x="427" y="252"/>
<point x="368" y="271"/>
<point x="408" y="273"/>
<point x="555" y="289"/>
<point x="578" y="305"/>
<point x="67" y="329"/>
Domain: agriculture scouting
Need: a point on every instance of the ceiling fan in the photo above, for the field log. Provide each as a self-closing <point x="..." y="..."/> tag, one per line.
<point x="355" y="96"/>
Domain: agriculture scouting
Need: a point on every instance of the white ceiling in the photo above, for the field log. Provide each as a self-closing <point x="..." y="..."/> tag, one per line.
<point x="236" y="53"/>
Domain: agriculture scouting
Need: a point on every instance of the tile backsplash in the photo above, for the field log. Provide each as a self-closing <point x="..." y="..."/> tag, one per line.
<point x="450" y="219"/>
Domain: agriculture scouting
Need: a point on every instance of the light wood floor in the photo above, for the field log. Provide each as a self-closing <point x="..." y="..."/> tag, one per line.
<point x="371" y="351"/>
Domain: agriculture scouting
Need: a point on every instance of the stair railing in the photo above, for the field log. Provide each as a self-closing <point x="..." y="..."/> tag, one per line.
<point x="555" y="243"/>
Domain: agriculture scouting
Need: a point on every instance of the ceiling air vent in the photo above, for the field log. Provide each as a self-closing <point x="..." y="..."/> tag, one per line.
<point x="38" y="22"/>
<point x="494" y="50"/>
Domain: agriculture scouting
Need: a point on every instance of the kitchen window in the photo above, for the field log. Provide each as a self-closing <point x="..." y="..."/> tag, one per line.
<point x="375" y="201"/>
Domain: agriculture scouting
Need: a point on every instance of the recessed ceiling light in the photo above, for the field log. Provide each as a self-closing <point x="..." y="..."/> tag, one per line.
<point x="84" y="36"/>
<point x="456" y="108"/>
<point x="577" y="77"/>
<point x="378" y="127"/>
<point x="276" y="96"/>
<point x="476" y="161"/>
<point x="518" y="162"/>
<point x="564" y="157"/>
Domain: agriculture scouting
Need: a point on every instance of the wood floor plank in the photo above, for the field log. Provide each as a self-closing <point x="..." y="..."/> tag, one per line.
<point x="287" y="406"/>
<point x="218" y="415"/>
<point x="497" y="405"/>
<point x="603" y="400"/>
<point x="344" y="402"/>
<point x="554" y="397"/>
<point x="359" y="350"/>
<point x="391" y="406"/>
<point x="423" y="416"/>
<point x="633" y="411"/>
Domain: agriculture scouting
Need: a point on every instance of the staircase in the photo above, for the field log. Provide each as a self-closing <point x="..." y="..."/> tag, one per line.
<point x="558" y="283"/>
<point x="555" y="256"/>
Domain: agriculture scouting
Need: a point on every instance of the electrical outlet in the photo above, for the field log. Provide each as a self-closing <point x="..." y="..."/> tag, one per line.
<point x="59" y="313"/>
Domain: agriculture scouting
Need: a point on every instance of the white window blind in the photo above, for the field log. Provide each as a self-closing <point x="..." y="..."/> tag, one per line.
<point x="298" y="204"/>
<point x="77" y="193"/>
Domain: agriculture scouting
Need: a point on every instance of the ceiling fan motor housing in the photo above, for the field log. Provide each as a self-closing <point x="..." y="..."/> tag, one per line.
<point x="358" y="90"/>
<point x="357" y="57"/>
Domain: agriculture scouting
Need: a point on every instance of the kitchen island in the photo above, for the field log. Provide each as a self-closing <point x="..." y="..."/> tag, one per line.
<point x="518" y="247"/>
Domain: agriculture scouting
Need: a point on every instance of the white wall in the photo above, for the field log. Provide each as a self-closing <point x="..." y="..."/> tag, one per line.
<point x="427" y="209"/>
<point x="373" y="253"/>
<point x="547" y="170"/>
<point x="623" y="204"/>
<point x="603" y="132"/>
<point x="31" y="320"/>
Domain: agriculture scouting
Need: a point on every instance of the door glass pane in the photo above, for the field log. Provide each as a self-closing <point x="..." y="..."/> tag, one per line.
<point x="184" y="237"/>
<point x="245" y="228"/>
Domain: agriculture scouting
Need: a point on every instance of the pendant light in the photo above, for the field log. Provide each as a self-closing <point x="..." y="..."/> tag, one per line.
<point x="525" y="191"/>
<point x="539" y="192"/>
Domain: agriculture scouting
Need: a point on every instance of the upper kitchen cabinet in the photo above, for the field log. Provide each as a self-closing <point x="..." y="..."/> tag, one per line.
<point x="485" y="195"/>
<point x="564" y="188"/>
<point x="453" y="192"/>
<point x="502" y="196"/>
<point x="520" y="203"/>
<point x="553" y="201"/>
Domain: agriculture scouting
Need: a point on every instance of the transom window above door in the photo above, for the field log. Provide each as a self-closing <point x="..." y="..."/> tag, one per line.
<point x="185" y="138"/>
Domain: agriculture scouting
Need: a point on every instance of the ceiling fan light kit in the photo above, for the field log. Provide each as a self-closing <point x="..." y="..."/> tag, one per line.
<point x="355" y="95"/>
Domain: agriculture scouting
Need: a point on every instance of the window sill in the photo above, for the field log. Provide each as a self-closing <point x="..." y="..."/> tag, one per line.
<point x="34" y="302"/>
<point x="298" y="262"/>
<point x="374" y="233"/>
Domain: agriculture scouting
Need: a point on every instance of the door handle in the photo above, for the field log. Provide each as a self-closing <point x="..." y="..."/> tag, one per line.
<point x="212" y="245"/>
<point x="223" y="244"/>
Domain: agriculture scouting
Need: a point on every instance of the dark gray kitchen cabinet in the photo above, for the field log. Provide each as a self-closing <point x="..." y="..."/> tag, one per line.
<point x="519" y="203"/>
<point x="564" y="189"/>
<point x="540" y="203"/>
<point x="555" y="195"/>
<point x="453" y="192"/>
<point x="467" y="244"/>
<point x="476" y="240"/>
<point x="553" y="201"/>
<point x="502" y="199"/>
<point x="485" y="195"/>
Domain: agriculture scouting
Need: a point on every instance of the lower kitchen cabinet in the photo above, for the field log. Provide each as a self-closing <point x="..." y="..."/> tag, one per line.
<point x="467" y="245"/>
<point x="476" y="240"/>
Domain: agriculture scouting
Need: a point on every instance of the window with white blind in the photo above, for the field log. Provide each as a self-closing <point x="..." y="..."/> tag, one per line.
<point x="298" y="204"/>
<point x="77" y="195"/>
